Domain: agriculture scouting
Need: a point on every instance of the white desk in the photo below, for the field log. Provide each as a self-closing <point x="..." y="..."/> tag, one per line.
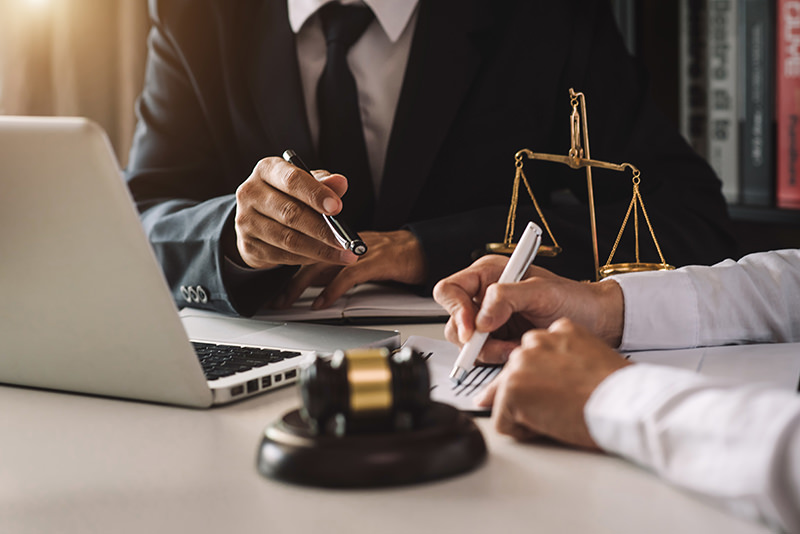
<point x="75" y="464"/>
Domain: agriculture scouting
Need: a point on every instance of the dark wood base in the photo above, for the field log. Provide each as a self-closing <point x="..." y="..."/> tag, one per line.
<point x="445" y="442"/>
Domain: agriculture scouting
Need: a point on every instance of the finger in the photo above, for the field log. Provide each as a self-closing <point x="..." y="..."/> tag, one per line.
<point x="451" y="332"/>
<point x="469" y="283"/>
<point x="300" y="282"/>
<point x="501" y="411"/>
<point x="465" y="319"/>
<point x="298" y="184"/>
<point x="496" y="351"/>
<point x="456" y="292"/>
<point x="501" y="301"/>
<point x="563" y="325"/>
<point x="495" y="311"/>
<point x="536" y="340"/>
<point x="258" y="204"/>
<point x="337" y="182"/>
<point x="457" y="298"/>
<point x="263" y="242"/>
<point x="346" y="279"/>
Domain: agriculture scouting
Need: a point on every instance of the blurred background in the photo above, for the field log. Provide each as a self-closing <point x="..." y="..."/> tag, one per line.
<point x="74" y="57"/>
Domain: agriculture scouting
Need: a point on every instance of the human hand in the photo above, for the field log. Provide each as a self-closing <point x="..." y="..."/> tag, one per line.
<point x="278" y="217"/>
<point x="548" y="379"/>
<point x="391" y="256"/>
<point x="476" y="302"/>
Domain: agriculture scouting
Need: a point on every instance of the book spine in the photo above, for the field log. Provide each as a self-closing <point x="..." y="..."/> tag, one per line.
<point x="788" y="104"/>
<point x="692" y="68"/>
<point x="723" y="120"/>
<point x="756" y="103"/>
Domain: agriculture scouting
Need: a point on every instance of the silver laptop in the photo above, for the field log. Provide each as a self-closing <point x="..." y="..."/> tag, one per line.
<point x="84" y="306"/>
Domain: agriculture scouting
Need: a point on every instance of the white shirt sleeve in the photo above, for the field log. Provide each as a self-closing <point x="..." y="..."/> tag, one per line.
<point x="737" y="445"/>
<point x="756" y="299"/>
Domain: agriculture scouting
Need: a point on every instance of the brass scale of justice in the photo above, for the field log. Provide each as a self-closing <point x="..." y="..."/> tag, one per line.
<point x="577" y="158"/>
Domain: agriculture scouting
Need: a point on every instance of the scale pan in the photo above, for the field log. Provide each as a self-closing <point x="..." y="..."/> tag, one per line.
<point x="622" y="268"/>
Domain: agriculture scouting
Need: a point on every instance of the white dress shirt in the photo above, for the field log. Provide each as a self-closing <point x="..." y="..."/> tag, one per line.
<point x="378" y="63"/>
<point x="735" y="444"/>
<point x="377" y="60"/>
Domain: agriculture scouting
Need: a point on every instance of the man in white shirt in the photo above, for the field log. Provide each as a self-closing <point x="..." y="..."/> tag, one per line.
<point x="736" y="444"/>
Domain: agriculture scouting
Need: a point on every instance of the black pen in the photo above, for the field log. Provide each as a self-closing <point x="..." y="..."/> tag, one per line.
<point x="343" y="234"/>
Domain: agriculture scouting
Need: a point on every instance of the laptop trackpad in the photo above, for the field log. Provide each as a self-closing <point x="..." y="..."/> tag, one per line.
<point x="208" y="326"/>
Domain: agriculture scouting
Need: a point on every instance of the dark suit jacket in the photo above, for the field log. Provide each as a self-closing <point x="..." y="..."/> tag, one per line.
<point x="485" y="78"/>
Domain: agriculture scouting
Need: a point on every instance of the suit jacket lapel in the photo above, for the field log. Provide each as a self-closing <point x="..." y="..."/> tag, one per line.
<point x="274" y="79"/>
<point x="444" y="58"/>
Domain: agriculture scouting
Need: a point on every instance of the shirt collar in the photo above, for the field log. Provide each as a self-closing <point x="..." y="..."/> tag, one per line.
<point x="393" y="15"/>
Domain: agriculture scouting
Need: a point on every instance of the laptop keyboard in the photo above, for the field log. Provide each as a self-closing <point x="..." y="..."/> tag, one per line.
<point x="225" y="360"/>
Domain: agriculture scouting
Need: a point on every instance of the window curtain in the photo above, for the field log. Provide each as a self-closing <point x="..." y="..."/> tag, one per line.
<point x="74" y="58"/>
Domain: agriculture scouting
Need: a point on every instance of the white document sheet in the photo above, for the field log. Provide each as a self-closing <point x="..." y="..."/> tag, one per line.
<point x="776" y="363"/>
<point x="441" y="356"/>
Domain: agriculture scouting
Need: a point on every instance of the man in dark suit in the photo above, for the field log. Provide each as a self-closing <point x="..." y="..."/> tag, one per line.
<point x="448" y="92"/>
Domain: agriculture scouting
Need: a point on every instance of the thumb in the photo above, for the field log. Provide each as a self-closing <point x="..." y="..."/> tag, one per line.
<point x="337" y="182"/>
<point x="503" y="300"/>
<point x="499" y="303"/>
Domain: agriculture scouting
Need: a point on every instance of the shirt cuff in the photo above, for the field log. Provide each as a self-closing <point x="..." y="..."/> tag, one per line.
<point x="661" y="310"/>
<point x="618" y="409"/>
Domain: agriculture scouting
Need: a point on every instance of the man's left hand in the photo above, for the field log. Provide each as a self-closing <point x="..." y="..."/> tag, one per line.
<point x="548" y="379"/>
<point x="392" y="256"/>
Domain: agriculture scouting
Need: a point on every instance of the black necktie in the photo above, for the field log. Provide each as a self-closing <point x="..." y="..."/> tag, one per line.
<point x="341" y="137"/>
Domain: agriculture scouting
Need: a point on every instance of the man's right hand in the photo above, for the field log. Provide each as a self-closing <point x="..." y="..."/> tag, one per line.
<point x="278" y="219"/>
<point x="475" y="301"/>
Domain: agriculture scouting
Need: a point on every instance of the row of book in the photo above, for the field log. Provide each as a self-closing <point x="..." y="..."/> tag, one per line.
<point x="740" y="95"/>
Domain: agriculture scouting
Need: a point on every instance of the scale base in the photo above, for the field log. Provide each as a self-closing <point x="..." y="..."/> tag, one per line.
<point x="622" y="268"/>
<point x="446" y="443"/>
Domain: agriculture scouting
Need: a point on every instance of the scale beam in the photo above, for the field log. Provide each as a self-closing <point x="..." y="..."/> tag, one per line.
<point x="579" y="158"/>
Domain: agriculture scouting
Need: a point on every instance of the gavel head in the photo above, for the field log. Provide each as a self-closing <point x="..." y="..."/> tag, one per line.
<point x="364" y="390"/>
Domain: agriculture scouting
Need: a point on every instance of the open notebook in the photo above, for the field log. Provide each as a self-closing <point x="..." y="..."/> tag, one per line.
<point x="364" y="303"/>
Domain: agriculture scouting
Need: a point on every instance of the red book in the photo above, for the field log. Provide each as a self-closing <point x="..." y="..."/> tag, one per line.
<point x="787" y="109"/>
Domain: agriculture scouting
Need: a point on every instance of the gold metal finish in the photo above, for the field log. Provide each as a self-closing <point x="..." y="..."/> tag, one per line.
<point x="579" y="158"/>
<point x="370" y="379"/>
<point x="620" y="268"/>
<point x="507" y="247"/>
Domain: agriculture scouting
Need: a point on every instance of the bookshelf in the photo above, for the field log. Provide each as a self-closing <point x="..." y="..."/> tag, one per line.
<point x="654" y="38"/>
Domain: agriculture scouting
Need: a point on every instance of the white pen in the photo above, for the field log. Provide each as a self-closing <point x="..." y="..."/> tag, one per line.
<point x="521" y="258"/>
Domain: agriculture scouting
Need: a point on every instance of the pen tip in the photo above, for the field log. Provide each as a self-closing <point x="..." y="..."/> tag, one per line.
<point x="457" y="375"/>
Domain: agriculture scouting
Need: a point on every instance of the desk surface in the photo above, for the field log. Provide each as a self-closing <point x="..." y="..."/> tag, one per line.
<point x="70" y="463"/>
